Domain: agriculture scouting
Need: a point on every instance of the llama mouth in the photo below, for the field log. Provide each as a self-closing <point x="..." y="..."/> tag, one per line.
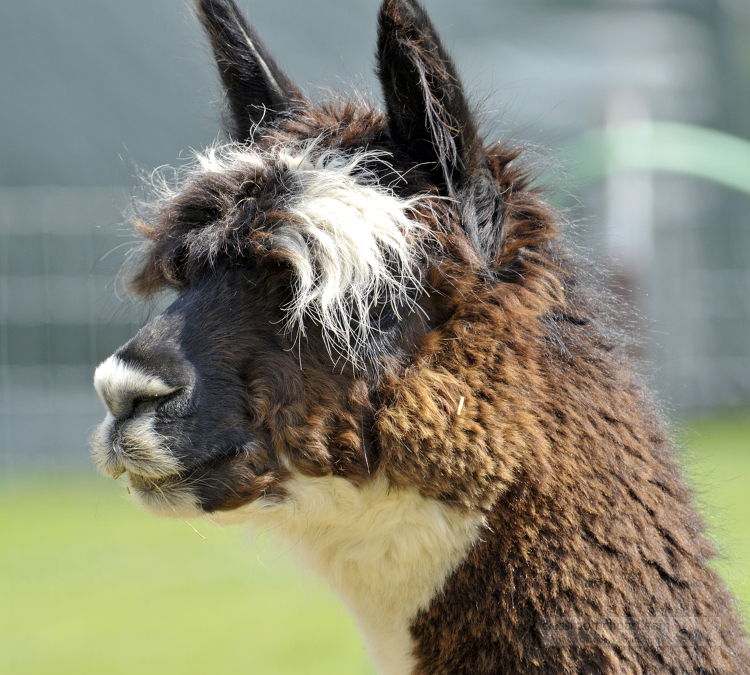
<point x="151" y="455"/>
<point x="237" y="476"/>
<point x="134" y="445"/>
<point x="143" y="483"/>
<point x="185" y="477"/>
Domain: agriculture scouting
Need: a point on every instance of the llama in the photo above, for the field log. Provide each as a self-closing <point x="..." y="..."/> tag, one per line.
<point x="382" y="350"/>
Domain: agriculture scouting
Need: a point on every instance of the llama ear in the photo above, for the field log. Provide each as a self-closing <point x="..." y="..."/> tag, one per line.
<point x="428" y="116"/>
<point x="257" y="90"/>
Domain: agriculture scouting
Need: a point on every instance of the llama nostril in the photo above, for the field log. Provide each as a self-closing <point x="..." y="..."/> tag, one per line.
<point x="141" y="403"/>
<point x="127" y="390"/>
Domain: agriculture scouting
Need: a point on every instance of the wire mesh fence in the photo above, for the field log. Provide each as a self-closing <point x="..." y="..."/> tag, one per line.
<point x="60" y="314"/>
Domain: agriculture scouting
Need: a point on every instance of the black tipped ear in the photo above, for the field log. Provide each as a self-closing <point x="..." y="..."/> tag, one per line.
<point x="256" y="88"/>
<point x="428" y="115"/>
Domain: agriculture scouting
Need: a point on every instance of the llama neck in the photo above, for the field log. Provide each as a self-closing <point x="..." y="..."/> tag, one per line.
<point x="385" y="552"/>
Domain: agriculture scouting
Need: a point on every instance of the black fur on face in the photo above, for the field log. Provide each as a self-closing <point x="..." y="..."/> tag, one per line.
<point x="252" y="402"/>
<point x="215" y="331"/>
<point x="255" y="403"/>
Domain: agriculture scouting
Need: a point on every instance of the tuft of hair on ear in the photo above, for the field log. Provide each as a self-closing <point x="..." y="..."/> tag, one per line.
<point x="257" y="91"/>
<point x="429" y="118"/>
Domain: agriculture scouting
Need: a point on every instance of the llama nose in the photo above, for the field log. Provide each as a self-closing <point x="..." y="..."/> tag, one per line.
<point x="146" y="371"/>
<point x="126" y="388"/>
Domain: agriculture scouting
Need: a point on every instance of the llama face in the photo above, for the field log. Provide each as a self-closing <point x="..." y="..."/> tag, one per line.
<point x="314" y="279"/>
<point x="178" y="420"/>
<point x="312" y="253"/>
<point x="324" y="258"/>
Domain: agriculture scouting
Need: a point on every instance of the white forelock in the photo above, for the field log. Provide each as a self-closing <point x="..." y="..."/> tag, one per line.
<point x="353" y="241"/>
<point x="360" y="248"/>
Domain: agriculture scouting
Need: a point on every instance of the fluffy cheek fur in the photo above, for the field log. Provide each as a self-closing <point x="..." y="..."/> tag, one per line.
<point x="459" y="422"/>
<point x="385" y="551"/>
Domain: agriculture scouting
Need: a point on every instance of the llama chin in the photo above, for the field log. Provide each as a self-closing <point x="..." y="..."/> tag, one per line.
<point x="382" y="351"/>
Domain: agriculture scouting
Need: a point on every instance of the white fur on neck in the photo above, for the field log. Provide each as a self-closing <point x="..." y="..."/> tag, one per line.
<point x="385" y="552"/>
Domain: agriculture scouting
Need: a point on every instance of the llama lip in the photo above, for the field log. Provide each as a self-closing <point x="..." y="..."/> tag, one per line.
<point x="206" y="487"/>
<point x="140" y="482"/>
<point x="185" y="476"/>
<point x="133" y="445"/>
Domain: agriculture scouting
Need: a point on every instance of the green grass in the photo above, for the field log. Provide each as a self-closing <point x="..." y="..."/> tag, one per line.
<point x="718" y="460"/>
<point x="91" y="584"/>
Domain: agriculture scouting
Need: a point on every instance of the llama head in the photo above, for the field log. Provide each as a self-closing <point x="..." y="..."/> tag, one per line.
<point x="323" y="257"/>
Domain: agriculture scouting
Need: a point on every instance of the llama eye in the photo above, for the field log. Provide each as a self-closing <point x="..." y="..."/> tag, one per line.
<point x="142" y="401"/>
<point x="384" y="317"/>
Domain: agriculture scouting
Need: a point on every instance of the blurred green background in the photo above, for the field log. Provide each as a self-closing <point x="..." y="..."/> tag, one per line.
<point x="636" y="114"/>
<point x="89" y="583"/>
